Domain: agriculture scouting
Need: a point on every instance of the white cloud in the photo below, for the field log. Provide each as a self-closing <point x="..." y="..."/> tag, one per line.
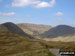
<point x="46" y="4"/>
<point x="7" y="14"/>
<point x="59" y="14"/>
<point x="35" y="3"/>
<point x="20" y="3"/>
<point x="42" y="5"/>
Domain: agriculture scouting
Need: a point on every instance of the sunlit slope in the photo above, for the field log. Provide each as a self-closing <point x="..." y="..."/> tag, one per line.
<point x="34" y="29"/>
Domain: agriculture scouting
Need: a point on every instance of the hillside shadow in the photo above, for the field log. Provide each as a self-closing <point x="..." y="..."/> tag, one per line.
<point x="15" y="29"/>
<point x="61" y="30"/>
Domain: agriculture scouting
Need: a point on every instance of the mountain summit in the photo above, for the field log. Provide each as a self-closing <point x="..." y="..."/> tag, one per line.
<point x="15" y="29"/>
<point x="61" y="30"/>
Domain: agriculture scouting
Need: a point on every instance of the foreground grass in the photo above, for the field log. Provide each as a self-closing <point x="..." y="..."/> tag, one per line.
<point x="64" y="46"/>
<point x="42" y="52"/>
<point x="16" y="45"/>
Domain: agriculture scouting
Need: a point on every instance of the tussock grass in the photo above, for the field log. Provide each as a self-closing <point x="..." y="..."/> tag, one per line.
<point x="41" y="52"/>
<point x="13" y="44"/>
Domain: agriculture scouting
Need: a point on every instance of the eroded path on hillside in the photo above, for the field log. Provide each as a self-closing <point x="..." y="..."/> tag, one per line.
<point x="55" y="52"/>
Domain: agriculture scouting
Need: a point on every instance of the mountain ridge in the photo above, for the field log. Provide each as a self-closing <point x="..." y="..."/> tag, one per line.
<point x="15" y="29"/>
<point x="60" y="33"/>
<point x="34" y="29"/>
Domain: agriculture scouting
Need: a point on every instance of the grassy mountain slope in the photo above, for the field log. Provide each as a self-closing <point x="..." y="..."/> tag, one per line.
<point x="15" y="29"/>
<point x="12" y="44"/>
<point x="60" y="33"/>
<point x="34" y="29"/>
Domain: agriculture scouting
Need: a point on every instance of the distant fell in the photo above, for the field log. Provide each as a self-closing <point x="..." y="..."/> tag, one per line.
<point x="34" y="29"/>
<point x="15" y="29"/>
<point x="61" y="30"/>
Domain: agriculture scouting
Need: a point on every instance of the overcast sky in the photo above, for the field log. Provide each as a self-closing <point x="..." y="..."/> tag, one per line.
<point x="48" y="12"/>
